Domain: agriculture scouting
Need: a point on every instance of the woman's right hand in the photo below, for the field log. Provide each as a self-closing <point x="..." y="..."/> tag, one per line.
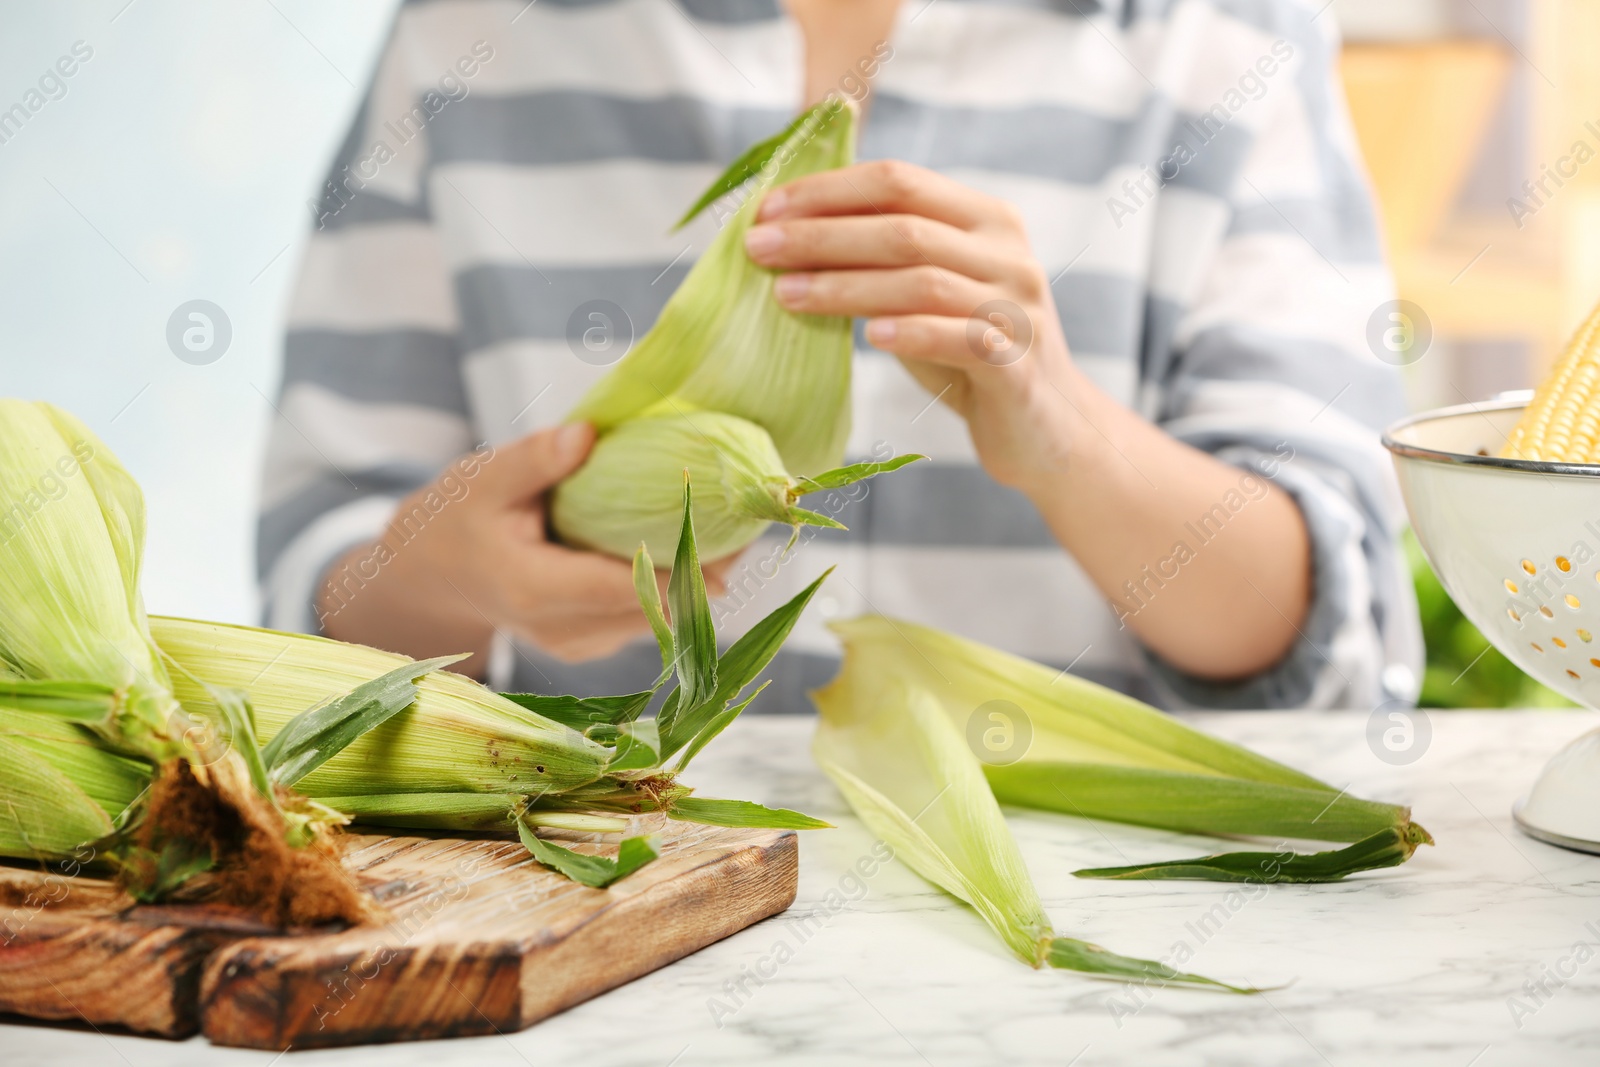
<point x="444" y="579"/>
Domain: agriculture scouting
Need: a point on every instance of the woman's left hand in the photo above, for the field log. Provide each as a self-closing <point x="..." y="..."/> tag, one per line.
<point x="946" y="278"/>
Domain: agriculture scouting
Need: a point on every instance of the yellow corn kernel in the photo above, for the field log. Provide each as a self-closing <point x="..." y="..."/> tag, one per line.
<point x="1562" y="421"/>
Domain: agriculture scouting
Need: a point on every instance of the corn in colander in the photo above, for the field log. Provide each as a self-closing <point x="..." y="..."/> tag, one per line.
<point x="1517" y="545"/>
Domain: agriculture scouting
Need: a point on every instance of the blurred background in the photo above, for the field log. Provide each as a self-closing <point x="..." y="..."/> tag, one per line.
<point x="175" y="162"/>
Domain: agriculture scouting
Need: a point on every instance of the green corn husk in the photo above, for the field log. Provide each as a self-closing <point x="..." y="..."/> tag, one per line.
<point x="71" y="537"/>
<point x="62" y="789"/>
<point x="85" y="712"/>
<point x="97" y="755"/>
<point x="456" y="737"/>
<point x="911" y="779"/>
<point x="722" y="344"/>
<point x="153" y="757"/>
<point x="461" y="757"/>
<point x="628" y="490"/>
<point x="908" y="720"/>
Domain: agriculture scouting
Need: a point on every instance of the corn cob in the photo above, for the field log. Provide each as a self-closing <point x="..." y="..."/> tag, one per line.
<point x="462" y="757"/>
<point x="627" y="491"/>
<point x="456" y="737"/>
<point x="94" y="745"/>
<point x="722" y="344"/>
<point x="905" y="732"/>
<point x="365" y="733"/>
<point x="1561" y="424"/>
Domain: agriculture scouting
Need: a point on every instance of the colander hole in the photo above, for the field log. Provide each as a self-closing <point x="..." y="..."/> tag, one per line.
<point x="1528" y="566"/>
<point x="1535" y="645"/>
<point x="1511" y="587"/>
<point x="1544" y="609"/>
<point x="1594" y="662"/>
<point x="1585" y="636"/>
<point x="1513" y="613"/>
<point x="1564" y="563"/>
<point x="1572" y="602"/>
<point x="1575" y="674"/>
<point x="1559" y="643"/>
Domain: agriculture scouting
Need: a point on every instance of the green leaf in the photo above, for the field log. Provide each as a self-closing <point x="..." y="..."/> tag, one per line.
<point x="603" y="733"/>
<point x="1389" y="847"/>
<point x="596" y="872"/>
<point x="692" y="631"/>
<point x="238" y="729"/>
<point x="798" y="517"/>
<point x="738" y="667"/>
<point x="637" y="748"/>
<point x="635" y="852"/>
<point x="581" y="713"/>
<point x="741" y="813"/>
<point x="715" y="726"/>
<point x="179" y="860"/>
<point x="749" y="656"/>
<point x="644" y="586"/>
<point x="1190" y="803"/>
<point x="1070" y="954"/>
<point x="840" y="477"/>
<point x="84" y="702"/>
<point x="316" y="735"/>
<point x="745" y="167"/>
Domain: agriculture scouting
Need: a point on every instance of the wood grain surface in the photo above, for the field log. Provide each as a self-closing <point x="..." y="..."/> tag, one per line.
<point x="481" y="940"/>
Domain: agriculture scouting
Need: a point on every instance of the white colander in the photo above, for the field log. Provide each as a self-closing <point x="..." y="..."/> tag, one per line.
<point x="1517" y="545"/>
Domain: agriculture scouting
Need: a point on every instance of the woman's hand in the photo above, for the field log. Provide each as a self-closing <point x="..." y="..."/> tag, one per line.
<point x="443" y="579"/>
<point x="948" y="283"/>
<point x="946" y="278"/>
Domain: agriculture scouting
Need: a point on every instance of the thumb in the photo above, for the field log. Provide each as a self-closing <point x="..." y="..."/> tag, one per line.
<point x="526" y="467"/>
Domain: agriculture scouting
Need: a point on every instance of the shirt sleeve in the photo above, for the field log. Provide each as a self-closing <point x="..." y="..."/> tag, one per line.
<point x="372" y="403"/>
<point x="1269" y="368"/>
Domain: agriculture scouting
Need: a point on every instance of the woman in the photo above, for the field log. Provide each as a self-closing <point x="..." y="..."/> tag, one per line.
<point x="1156" y="466"/>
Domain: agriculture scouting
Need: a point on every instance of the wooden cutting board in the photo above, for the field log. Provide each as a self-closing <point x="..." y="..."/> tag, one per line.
<point x="482" y="940"/>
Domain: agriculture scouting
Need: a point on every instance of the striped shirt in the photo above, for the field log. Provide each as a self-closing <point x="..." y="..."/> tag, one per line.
<point x="1189" y="180"/>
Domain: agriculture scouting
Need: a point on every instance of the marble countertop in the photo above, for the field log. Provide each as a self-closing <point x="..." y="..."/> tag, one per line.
<point x="1481" y="952"/>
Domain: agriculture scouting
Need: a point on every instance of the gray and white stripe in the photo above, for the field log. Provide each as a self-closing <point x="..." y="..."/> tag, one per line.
<point x="433" y="304"/>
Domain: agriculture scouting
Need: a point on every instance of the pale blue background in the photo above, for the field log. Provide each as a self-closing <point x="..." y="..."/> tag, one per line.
<point x="190" y="141"/>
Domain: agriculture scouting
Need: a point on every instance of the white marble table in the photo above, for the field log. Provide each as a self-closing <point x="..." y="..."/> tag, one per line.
<point x="1425" y="964"/>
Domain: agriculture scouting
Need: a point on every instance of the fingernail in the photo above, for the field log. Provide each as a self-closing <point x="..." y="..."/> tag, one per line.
<point x="882" y="331"/>
<point x="792" y="288"/>
<point x="762" y="241"/>
<point x="570" y="440"/>
<point x="772" y="204"/>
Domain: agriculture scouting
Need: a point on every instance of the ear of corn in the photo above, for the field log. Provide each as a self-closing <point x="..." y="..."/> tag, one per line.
<point x="461" y="757"/>
<point x="60" y="791"/>
<point x="1561" y="423"/>
<point x="724" y="344"/>
<point x="92" y="725"/>
<point x="1097" y="753"/>
<point x="745" y="394"/>
<point x="71" y="533"/>
<point x="903" y="733"/>
<point x="455" y="737"/>
<point x="165" y="774"/>
<point x="909" y="776"/>
<point x="626" y="491"/>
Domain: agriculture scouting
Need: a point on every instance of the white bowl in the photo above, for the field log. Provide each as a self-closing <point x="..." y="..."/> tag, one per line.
<point x="1516" y="543"/>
